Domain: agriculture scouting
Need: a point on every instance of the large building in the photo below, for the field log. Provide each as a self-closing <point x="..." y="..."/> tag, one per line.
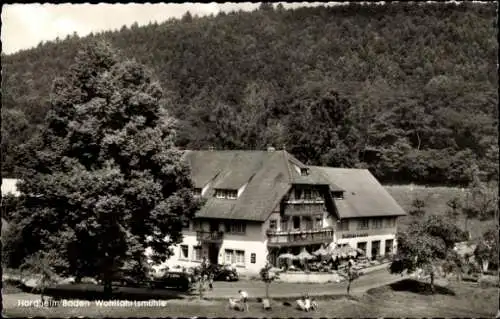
<point x="260" y="204"/>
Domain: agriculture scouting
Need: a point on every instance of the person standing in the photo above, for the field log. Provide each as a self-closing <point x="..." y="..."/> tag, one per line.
<point x="211" y="281"/>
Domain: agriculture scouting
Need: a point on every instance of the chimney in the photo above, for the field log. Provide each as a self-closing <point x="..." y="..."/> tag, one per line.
<point x="270" y="149"/>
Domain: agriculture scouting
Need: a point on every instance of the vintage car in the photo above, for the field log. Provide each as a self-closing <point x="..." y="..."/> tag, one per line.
<point x="181" y="281"/>
<point x="224" y="273"/>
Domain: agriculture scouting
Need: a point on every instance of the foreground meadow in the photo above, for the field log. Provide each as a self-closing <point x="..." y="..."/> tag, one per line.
<point x="406" y="298"/>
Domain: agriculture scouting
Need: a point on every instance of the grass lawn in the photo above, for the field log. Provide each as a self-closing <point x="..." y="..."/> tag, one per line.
<point x="435" y="199"/>
<point x="404" y="298"/>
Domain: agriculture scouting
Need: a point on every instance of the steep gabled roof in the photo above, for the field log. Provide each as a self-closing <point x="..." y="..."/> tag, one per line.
<point x="364" y="196"/>
<point x="269" y="175"/>
<point x="263" y="173"/>
<point x="312" y="178"/>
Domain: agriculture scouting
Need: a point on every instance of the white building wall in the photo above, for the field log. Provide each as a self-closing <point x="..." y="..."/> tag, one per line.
<point x="252" y="242"/>
<point x="250" y="247"/>
<point x="354" y="236"/>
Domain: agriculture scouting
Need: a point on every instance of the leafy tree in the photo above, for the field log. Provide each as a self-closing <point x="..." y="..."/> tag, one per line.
<point x="268" y="277"/>
<point x="43" y="264"/>
<point x="481" y="198"/>
<point x="352" y="274"/>
<point x="103" y="181"/>
<point x="486" y="251"/>
<point x="202" y="277"/>
<point x="333" y="139"/>
<point x="454" y="206"/>
<point x="418" y="208"/>
<point x="425" y="245"/>
<point x="15" y="131"/>
<point x="422" y="117"/>
<point x="454" y="263"/>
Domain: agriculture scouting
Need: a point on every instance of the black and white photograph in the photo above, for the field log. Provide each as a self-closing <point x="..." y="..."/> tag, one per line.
<point x="250" y="160"/>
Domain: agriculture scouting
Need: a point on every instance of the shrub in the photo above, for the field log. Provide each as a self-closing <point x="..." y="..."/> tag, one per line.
<point x="488" y="281"/>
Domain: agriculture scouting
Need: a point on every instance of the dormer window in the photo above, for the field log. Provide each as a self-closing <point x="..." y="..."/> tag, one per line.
<point x="197" y="192"/>
<point x="338" y="195"/>
<point x="304" y="171"/>
<point x="226" y="193"/>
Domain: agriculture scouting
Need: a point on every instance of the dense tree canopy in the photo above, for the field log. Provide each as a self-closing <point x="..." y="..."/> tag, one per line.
<point x="426" y="245"/>
<point x="103" y="181"/>
<point x="415" y="83"/>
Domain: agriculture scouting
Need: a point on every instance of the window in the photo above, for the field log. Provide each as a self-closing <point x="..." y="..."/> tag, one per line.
<point x="298" y="193"/>
<point x="196" y="225"/>
<point x="240" y="257"/>
<point x="308" y="194"/>
<point x="197" y="253"/>
<point x="236" y="228"/>
<point x="284" y="223"/>
<point x="338" y="195"/>
<point x="197" y="192"/>
<point x="235" y="257"/>
<point x="362" y="246"/>
<point x="308" y="222"/>
<point x="318" y="222"/>
<point x="390" y="222"/>
<point x="252" y="258"/>
<point x="226" y="193"/>
<point x="273" y="223"/>
<point x="363" y="224"/>
<point x="296" y="222"/>
<point x="388" y="246"/>
<point x="377" y="223"/>
<point x="184" y="252"/>
<point x="344" y="225"/>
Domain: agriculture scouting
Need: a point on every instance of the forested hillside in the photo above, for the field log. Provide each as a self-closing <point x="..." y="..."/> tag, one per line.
<point x="409" y="91"/>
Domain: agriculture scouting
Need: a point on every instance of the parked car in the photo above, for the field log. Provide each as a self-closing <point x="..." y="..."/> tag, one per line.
<point x="174" y="280"/>
<point x="222" y="273"/>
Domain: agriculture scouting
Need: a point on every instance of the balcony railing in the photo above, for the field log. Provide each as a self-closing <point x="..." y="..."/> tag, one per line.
<point x="298" y="238"/>
<point x="305" y="201"/>
<point x="209" y="236"/>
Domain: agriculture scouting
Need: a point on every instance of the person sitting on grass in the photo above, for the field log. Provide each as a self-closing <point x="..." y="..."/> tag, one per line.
<point x="314" y="304"/>
<point x="234" y="304"/>
<point x="307" y="302"/>
<point x="244" y="299"/>
<point x="304" y="303"/>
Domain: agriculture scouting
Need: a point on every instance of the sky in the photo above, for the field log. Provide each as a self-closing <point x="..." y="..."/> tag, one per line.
<point x="25" y="25"/>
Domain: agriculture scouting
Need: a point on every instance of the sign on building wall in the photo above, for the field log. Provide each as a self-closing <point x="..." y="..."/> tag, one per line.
<point x="354" y="235"/>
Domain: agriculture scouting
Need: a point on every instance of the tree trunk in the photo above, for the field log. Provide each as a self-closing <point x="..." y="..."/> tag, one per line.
<point x="432" y="282"/>
<point x="485" y="263"/>
<point x="267" y="290"/>
<point x="419" y="141"/>
<point x="348" y="286"/>
<point x="108" y="288"/>
<point x="466" y="220"/>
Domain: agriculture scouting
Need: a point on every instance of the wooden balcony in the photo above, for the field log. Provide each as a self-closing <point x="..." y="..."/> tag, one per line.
<point x="299" y="238"/>
<point x="209" y="236"/>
